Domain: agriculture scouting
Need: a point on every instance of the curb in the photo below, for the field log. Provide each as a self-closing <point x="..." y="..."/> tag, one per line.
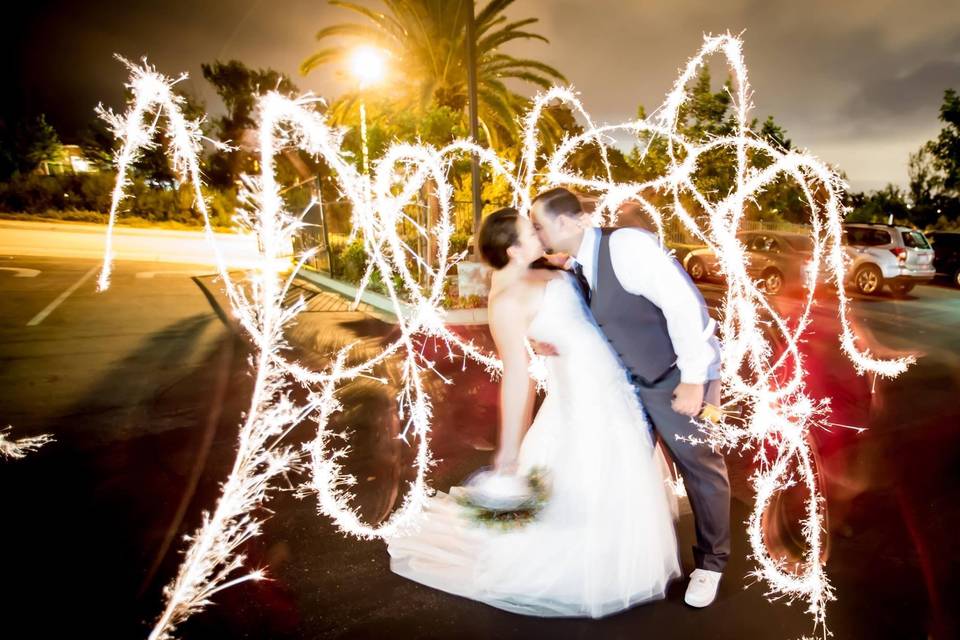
<point x="382" y="305"/>
<point x="458" y="317"/>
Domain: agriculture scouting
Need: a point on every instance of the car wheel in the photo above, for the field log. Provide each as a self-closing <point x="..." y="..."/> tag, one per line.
<point x="772" y="281"/>
<point x="696" y="269"/>
<point x="868" y="279"/>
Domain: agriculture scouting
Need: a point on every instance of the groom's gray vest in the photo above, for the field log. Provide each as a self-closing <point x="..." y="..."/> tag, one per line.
<point x="634" y="326"/>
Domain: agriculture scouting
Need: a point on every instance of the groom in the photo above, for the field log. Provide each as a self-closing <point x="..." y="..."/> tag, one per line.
<point x="656" y="321"/>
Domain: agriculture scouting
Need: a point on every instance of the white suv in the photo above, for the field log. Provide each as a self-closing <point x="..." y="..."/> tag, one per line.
<point x="882" y="254"/>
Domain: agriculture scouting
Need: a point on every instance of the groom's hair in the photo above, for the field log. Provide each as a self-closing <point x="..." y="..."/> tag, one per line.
<point x="559" y="202"/>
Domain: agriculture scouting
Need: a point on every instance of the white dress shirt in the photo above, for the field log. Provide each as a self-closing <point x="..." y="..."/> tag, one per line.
<point x="643" y="268"/>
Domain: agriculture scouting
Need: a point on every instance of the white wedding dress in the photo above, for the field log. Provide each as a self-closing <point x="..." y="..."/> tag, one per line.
<point x="605" y="540"/>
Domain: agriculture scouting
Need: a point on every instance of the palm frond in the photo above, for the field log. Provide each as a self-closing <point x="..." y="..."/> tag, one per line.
<point x="427" y="40"/>
<point x="527" y="76"/>
<point x="501" y="61"/>
<point x="386" y="22"/>
<point x="490" y="12"/>
<point x="364" y="32"/>
<point x="324" y="56"/>
<point x="481" y="30"/>
<point x="499" y="38"/>
<point x="499" y="109"/>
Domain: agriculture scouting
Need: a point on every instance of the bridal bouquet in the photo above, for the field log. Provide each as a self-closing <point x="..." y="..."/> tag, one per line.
<point x="504" y="501"/>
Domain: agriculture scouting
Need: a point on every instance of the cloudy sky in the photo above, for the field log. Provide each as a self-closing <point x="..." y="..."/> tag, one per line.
<point x="856" y="82"/>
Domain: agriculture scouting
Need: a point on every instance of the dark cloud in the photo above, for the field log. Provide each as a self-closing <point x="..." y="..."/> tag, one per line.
<point x="836" y="74"/>
<point x="903" y="96"/>
<point x="815" y="65"/>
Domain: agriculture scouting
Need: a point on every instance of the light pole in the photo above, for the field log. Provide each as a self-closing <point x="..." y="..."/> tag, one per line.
<point x="367" y="67"/>
<point x="474" y="123"/>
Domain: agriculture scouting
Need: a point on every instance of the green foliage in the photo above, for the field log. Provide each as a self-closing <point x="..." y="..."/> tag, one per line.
<point x="39" y="143"/>
<point x="153" y="165"/>
<point x="38" y="194"/>
<point x="426" y="41"/>
<point x="28" y="144"/>
<point x="878" y="206"/>
<point x="946" y="148"/>
<point x="708" y="114"/>
<point x="459" y="242"/>
<point x="97" y="142"/>
<point x="238" y="86"/>
<point x="386" y="124"/>
<point x="933" y="199"/>
<point x="34" y="193"/>
<point x="351" y="261"/>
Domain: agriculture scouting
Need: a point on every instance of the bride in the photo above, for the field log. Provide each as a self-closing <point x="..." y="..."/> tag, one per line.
<point x="605" y="539"/>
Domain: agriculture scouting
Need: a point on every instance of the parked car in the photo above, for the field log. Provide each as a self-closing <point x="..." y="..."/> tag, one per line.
<point x="946" y="259"/>
<point x="780" y="259"/>
<point x="896" y="256"/>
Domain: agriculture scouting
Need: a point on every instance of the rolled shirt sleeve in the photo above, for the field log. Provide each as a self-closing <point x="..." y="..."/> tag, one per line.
<point x="644" y="268"/>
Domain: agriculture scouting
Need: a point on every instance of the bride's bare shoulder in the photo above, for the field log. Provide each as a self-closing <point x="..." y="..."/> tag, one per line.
<point x="520" y="294"/>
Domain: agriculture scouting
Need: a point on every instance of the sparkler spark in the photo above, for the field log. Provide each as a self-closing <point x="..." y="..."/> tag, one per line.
<point x="16" y="449"/>
<point x="778" y="413"/>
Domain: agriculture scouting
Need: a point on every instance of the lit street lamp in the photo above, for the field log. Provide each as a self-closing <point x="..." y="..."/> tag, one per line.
<point x="367" y="66"/>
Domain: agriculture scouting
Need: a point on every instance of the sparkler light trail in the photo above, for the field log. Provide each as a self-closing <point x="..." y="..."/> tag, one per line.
<point x="16" y="449"/>
<point x="778" y="413"/>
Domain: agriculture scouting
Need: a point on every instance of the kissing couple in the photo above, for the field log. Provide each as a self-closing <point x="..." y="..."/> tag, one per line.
<point x="630" y="355"/>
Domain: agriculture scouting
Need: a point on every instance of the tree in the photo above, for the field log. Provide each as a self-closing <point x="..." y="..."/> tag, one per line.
<point x="426" y="42"/>
<point x="880" y="205"/>
<point x="153" y="165"/>
<point x="925" y="178"/>
<point x="926" y="182"/>
<point x="935" y="171"/>
<point x="946" y="148"/>
<point x="30" y="143"/>
<point x="709" y="114"/>
<point x="98" y="142"/>
<point x="238" y="87"/>
<point x="39" y="143"/>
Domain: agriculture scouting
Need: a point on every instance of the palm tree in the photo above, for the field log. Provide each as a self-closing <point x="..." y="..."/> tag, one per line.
<point x="426" y="42"/>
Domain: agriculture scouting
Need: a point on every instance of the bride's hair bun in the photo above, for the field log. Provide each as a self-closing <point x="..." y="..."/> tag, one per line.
<point x="497" y="234"/>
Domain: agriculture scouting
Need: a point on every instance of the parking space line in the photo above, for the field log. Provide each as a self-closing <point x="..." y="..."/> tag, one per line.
<point x="20" y="272"/>
<point x="40" y="317"/>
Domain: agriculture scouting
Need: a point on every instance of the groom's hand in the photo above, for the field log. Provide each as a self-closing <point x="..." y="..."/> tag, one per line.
<point x="557" y="260"/>
<point x="688" y="399"/>
<point x="543" y="348"/>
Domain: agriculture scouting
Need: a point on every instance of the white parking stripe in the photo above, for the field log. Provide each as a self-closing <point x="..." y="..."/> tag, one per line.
<point x="21" y="272"/>
<point x="40" y="317"/>
<point x="147" y="275"/>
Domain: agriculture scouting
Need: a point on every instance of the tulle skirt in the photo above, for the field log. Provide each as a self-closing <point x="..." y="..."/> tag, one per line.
<point x="605" y="540"/>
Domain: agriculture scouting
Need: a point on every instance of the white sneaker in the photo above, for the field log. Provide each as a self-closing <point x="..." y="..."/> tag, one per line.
<point x="702" y="590"/>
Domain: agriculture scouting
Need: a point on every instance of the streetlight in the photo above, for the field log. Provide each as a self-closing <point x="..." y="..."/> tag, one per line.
<point x="474" y="118"/>
<point x="367" y="65"/>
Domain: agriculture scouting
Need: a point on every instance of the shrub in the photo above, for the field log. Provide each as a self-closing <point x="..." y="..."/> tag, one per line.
<point x="92" y="192"/>
<point x="352" y="261"/>
<point x="459" y="242"/>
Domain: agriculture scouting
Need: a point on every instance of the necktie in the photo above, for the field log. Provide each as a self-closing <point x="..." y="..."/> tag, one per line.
<point x="581" y="281"/>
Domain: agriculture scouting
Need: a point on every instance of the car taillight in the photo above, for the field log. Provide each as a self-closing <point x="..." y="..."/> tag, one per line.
<point x="900" y="252"/>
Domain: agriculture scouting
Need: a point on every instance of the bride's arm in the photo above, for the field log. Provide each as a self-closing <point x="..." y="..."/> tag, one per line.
<point x="508" y="325"/>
